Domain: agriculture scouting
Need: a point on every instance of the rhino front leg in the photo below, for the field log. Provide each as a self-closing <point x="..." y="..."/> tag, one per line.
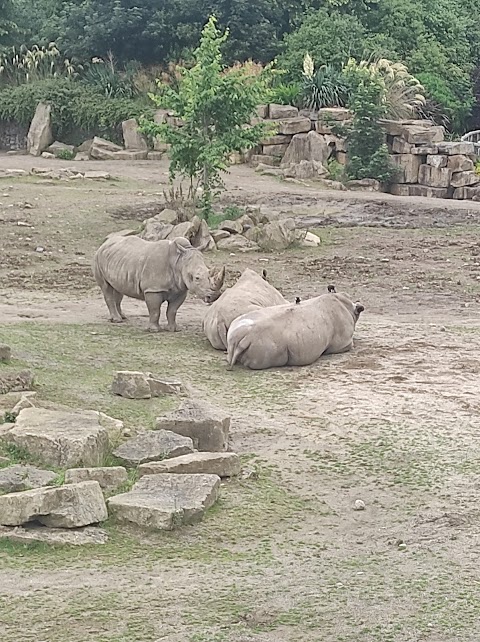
<point x="172" y="310"/>
<point x="154" y="302"/>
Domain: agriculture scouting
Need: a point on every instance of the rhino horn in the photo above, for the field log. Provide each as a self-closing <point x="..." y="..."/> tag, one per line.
<point x="218" y="277"/>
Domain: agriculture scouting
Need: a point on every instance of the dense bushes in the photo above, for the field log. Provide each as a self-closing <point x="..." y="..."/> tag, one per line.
<point x="77" y="110"/>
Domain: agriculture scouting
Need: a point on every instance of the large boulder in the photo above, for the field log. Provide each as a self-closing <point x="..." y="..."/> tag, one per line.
<point x="207" y="425"/>
<point x="70" y="506"/>
<point x="18" y="477"/>
<point x="237" y="243"/>
<point x="163" y="502"/>
<point x="57" y="148"/>
<point x="60" y="438"/>
<point x="40" y="135"/>
<point x="464" y="179"/>
<point x="460" y="163"/>
<point x="153" y="446"/>
<point x="131" y="385"/>
<point x="308" y="147"/>
<point x="221" y="464"/>
<point x="232" y="226"/>
<point x="276" y="235"/>
<point x="407" y="167"/>
<point x="305" y="170"/>
<point x="102" y="149"/>
<point x="433" y="176"/>
<point x="291" y="126"/>
<point x="132" y="137"/>
<point x="109" y="477"/>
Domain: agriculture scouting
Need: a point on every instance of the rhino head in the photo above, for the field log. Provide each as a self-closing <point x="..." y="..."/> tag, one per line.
<point x="200" y="281"/>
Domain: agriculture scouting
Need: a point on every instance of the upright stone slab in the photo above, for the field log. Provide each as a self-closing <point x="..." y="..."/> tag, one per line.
<point x="40" y="135"/>
<point x="309" y="147"/>
<point x="60" y="438"/>
<point x="407" y="167"/>
<point x="207" y="425"/>
<point x="163" y="502"/>
<point x="132" y="137"/>
<point x="5" y="353"/>
<point x="434" y="177"/>
<point x="400" y="146"/>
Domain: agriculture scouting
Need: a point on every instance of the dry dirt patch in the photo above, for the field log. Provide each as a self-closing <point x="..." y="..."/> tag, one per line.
<point x="395" y="422"/>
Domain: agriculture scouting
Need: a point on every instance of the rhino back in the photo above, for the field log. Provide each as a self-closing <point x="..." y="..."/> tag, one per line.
<point x="132" y="266"/>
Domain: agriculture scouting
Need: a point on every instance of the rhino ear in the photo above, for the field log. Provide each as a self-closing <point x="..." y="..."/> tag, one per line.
<point x="331" y="289"/>
<point x="182" y="244"/>
<point x="218" y="279"/>
<point x="264" y="275"/>
<point x="359" y="309"/>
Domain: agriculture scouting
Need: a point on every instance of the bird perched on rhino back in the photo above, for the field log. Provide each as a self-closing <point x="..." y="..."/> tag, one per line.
<point x="295" y="334"/>
<point x="155" y="272"/>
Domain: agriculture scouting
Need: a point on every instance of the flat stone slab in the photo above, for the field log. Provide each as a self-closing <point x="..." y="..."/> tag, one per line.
<point x="153" y="446"/>
<point x="164" y="502"/>
<point x="15" y="381"/>
<point x="207" y="425"/>
<point x="69" y="506"/>
<point x="109" y="477"/>
<point x="54" y="536"/>
<point x="17" y="478"/>
<point x="221" y="464"/>
<point x="64" y="439"/>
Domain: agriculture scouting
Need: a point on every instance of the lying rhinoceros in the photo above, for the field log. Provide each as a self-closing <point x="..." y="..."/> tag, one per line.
<point x="293" y="334"/>
<point x="154" y="272"/>
<point x="250" y="292"/>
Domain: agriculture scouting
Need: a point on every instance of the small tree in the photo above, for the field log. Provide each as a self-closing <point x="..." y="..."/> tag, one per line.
<point x="368" y="155"/>
<point x="216" y="106"/>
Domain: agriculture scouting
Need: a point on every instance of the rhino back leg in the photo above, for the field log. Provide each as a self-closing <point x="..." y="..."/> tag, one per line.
<point x="118" y="297"/>
<point x="172" y="310"/>
<point x="154" y="302"/>
<point x="110" y="296"/>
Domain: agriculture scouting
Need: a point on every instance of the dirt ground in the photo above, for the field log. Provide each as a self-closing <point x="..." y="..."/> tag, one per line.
<point x="395" y="423"/>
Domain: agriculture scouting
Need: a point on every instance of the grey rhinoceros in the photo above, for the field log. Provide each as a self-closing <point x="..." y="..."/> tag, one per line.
<point x="293" y="334"/>
<point x="154" y="272"/>
<point x="250" y="292"/>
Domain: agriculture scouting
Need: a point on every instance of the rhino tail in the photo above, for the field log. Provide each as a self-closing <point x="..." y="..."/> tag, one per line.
<point x="239" y="349"/>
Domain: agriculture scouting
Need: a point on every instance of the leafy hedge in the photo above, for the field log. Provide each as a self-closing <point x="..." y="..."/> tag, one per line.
<point x="77" y="110"/>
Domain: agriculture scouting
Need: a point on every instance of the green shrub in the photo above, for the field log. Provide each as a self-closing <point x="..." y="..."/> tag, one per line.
<point x="336" y="171"/>
<point x="65" y="154"/>
<point x="108" y="79"/>
<point x="286" y="94"/>
<point x="75" y="108"/>
<point x="325" y="87"/>
<point x="368" y="155"/>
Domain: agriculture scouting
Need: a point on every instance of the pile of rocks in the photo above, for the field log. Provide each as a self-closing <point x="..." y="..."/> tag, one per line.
<point x="255" y="230"/>
<point x="179" y="464"/>
<point x="428" y="165"/>
<point x="303" y="142"/>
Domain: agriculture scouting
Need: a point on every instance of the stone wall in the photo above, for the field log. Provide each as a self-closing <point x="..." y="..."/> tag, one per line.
<point x="289" y="122"/>
<point x="428" y="165"/>
<point x="12" y="136"/>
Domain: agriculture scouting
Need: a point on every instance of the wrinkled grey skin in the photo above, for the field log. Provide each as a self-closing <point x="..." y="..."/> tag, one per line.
<point x="249" y="293"/>
<point x="294" y="334"/>
<point x="154" y="272"/>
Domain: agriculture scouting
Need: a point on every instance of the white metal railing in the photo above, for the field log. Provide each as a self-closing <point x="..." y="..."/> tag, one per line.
<point x="473" y="137"/>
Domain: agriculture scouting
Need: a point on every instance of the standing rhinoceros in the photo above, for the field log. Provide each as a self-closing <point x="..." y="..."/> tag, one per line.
<point x="154" y="272"/>
<point x="249" y="293"/>
<point x="293" y="334"/>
